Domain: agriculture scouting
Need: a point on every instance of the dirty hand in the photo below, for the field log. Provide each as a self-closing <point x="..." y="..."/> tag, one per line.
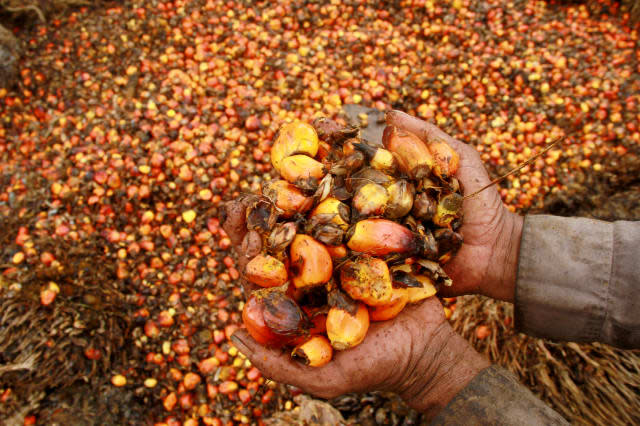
<point x="417" y="355"/>
<point x="487" y="261"/>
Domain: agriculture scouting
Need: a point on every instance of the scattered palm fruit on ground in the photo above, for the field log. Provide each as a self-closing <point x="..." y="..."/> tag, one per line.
<point x="129" y="117"/>
<point x="351" y="233"/>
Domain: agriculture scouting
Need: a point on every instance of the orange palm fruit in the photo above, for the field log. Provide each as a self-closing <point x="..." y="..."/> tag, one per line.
<point x="370" y="199"/>
<point x="273" y="318"/>
<point x="426" y="290"/>
<point x="266" y="271"/>
<point x="311" y="263"/>
<point x="379" y="237"/>
<point x="302" y="170"/>
<point x="448" y="209"/>
<point x="367" y="279"/>
<point x="333" y="210"/>
<point x="346" y="330"/>
<point x="287" y="197"/>
<point x="337" y="252"/>
<point x="399" y="299"/>
<point x="316" y="351"/>
<point x="446" y="159"/>
<point x="294" y="138"/>
<point x="414" y="158"/>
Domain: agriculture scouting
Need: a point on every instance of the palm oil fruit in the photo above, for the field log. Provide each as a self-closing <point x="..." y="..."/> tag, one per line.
<point x="272" y="318"/>
<point x="445" y="159"/>
<point x="370" y="199"/>
<point x="311" y="263"/>
<point x="349" y="232"/>
<point x="302" y="171"/>
<point x="266" y="271"/>
<point x="367" y="279"/>
<point x="399" y="299"/>
<point x="333" y="210"/>
<point x="414" y="158"/>
<point x="294" y="138"/>
<point x="314" y="352"/>
<point x="287" y="197"/>
<point x="346" y="330"/>
<point x="379" y="237"/>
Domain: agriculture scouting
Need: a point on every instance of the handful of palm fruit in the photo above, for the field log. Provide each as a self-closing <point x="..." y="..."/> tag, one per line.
<point x="352" y="232"/>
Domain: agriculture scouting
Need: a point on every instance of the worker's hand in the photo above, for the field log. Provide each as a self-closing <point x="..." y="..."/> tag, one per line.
<point x="246" y="244"/>
<point x="488" y="259"/>
<point x="416" y="355"/>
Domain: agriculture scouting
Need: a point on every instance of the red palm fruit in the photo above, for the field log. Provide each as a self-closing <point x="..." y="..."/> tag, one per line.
<point x="273" y="318"/>
<point x="379" y="237"/>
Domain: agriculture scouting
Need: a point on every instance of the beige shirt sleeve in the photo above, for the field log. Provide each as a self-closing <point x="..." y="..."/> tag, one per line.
<point x="579" y="280"/>
<point x="495" y="397"/>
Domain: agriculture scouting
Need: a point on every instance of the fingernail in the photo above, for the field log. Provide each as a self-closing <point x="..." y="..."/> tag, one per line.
<point x="240" y="344"/>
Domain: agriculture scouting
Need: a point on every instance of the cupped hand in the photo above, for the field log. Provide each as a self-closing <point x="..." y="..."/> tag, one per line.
<point x="416" y="355"/>
<point x="487" y="261"/>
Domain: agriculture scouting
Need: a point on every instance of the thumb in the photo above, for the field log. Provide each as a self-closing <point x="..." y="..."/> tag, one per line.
<point x="471" y="172"/>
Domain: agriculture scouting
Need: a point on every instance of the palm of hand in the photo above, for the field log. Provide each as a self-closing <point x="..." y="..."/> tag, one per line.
<point x="386" y="360"/>
<point x="478" y="267"/>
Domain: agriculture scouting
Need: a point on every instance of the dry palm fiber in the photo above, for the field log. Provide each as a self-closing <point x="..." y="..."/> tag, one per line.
<point x="39" y="8"/>
<point x="586" y="383"/>
<point x="43" y="348"/>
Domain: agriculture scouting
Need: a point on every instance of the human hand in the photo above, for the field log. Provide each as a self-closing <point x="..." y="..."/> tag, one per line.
<point x="416" y="355"/>
<point x="487" y="262"/>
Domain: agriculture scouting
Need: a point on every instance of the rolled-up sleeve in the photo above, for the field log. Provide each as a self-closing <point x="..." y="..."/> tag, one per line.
<point x="579" y="280"/>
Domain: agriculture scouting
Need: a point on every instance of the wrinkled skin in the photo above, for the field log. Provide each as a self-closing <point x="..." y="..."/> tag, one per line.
<point x="416" y="355"/>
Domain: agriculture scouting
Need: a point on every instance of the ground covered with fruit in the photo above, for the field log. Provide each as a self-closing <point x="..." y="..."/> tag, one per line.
<point x="131" y="122"/>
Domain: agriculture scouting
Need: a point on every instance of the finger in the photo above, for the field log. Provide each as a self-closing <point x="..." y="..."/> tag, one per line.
<point x="277" y="365"/>
<point x="274" y="364"/>
<point x="234" y="220"/>
<point x="249" y="248"/>
<point x="471" y="172"/>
